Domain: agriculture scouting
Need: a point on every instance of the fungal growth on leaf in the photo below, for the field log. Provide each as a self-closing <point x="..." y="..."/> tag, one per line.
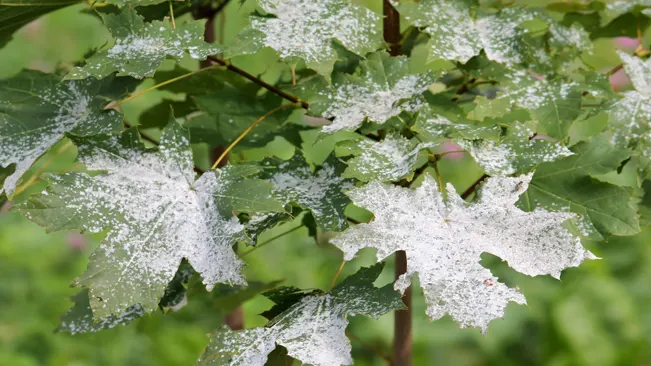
<point x="140" y="48"/>
<point x="313" y="329"/>
<point x="381" y="88"/>
<point x="155" y="213"/>
<point x="37" y="110"/>
<point x="305" y="30"/>
<point x="444" y="238"/>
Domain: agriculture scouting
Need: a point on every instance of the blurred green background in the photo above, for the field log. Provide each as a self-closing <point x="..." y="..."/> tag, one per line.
<point x="599" y="314"/>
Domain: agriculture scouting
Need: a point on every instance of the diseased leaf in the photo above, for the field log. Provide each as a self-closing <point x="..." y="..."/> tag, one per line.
<point x="511" y="149"/>
<point x="553" y="104"/>
<point x="630" y="117"/>
<point x="320" y="191"/>
<point x="382" y="87"/>
<point x="79" y="319"/>
<point x="14" y="14"/>
<point x="457" y="34"/>
<point x="388" y="160"/>
<point x="567" y="184"/>
<point x="444" y="239"/>
<point x="37" y="109"/>
<point x="155" y="213"/>
<point x="312" y="329"/>
<point x="305" y="30"/>
<point x="141" y="47"/>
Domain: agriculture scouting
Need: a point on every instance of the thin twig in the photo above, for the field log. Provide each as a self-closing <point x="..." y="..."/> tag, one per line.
<point x="172" y="16"/>
<point x="473" y="187"/>
<point x="369" y="346"/>
<point x="247" y="131"/>
<point x="256" y="80"/>
<point x="258" y="246"/>
<point x="42" y="168"/>
<point x="439" y="180"/>
<point x="334" y="279"/>
<point x="133" y="96"/>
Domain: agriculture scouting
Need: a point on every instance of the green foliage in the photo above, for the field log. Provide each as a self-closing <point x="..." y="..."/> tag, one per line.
<point x="314" y="123"/>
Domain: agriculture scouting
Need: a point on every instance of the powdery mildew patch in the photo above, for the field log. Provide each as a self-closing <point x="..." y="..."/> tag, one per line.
<point x="43" y="116"/>
<point x="305" y="29"/>
<point x="388" y="160"/>
<point x="141" y="47"/>
<point x="156" y="214"/>
<point x="631" y="116"/>
<point x="457" y="35"/>
<point x="444" y="239"/>
<point x="312" y="330"/>
<point x="79" y="319"/>
<point x="320" y="191"/>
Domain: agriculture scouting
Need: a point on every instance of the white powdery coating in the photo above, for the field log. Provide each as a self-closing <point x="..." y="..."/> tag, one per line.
<point x="387" y="160"/>
<point x="140" y="53"/>
<point x="444" y="241"/>
<point x="313" y="331"/>
<point x="453" y="35"/>
<point x="70" y="102"/>
<point x="87" y="323"/>
<point x="532" y="93"/>
<point x="306" y="28"/>
<point x="156" y="215"/>
<point x="456" y="35"/>
<point x="311" y="190"/>
<point x="638" y="71"/>
<point x="350" y="104"/>
<point x="631" y="121"/>
<point x="518" y="152"/>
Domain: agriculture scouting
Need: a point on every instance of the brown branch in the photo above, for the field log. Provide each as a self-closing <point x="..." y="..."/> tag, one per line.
<point x="256" y="80"/>
<point x="473" y="187"/>
<point x="402" y="340"/>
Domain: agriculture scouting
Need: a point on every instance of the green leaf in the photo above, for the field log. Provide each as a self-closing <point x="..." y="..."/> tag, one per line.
<point x="133" y="3"/>
<point x="37" y="110"/>
<point x="382" y="88"/>
<point x="312" y="330"/>
<point x="444" y="237"/>
<point x="305" y="30"/>
<point x="567" y="184"/>
<point x="391" y="159"/>
<point x="79" y="319"/>
<point x="159" y="115"/>
<point x="155" y="214"/>
<point x="234" y="110"/>
<point x="320" y="191"/>
<point x="457" y="34"/>
<point x="141" y="47"/>
<point x="14" y="14"/>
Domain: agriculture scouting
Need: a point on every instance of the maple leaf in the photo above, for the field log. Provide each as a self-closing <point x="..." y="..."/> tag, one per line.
<point x="444" y="238"/>
<point x="553" y="104"/>
<point x="37" y="110"/>
<point x="630" y="117"/>
<point x="320" y="191"/>
<point x="568" y="184"/>
<point x="155" y="213"/>
<point x="499" y="151"/>
<point x="388" y="160"/>
<point x="312" y="329"/>
<point x="141" y="47"/>
<point x="305" y="29"/>
<point x="457" y="35"/>
<point x="381" y="88"/>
